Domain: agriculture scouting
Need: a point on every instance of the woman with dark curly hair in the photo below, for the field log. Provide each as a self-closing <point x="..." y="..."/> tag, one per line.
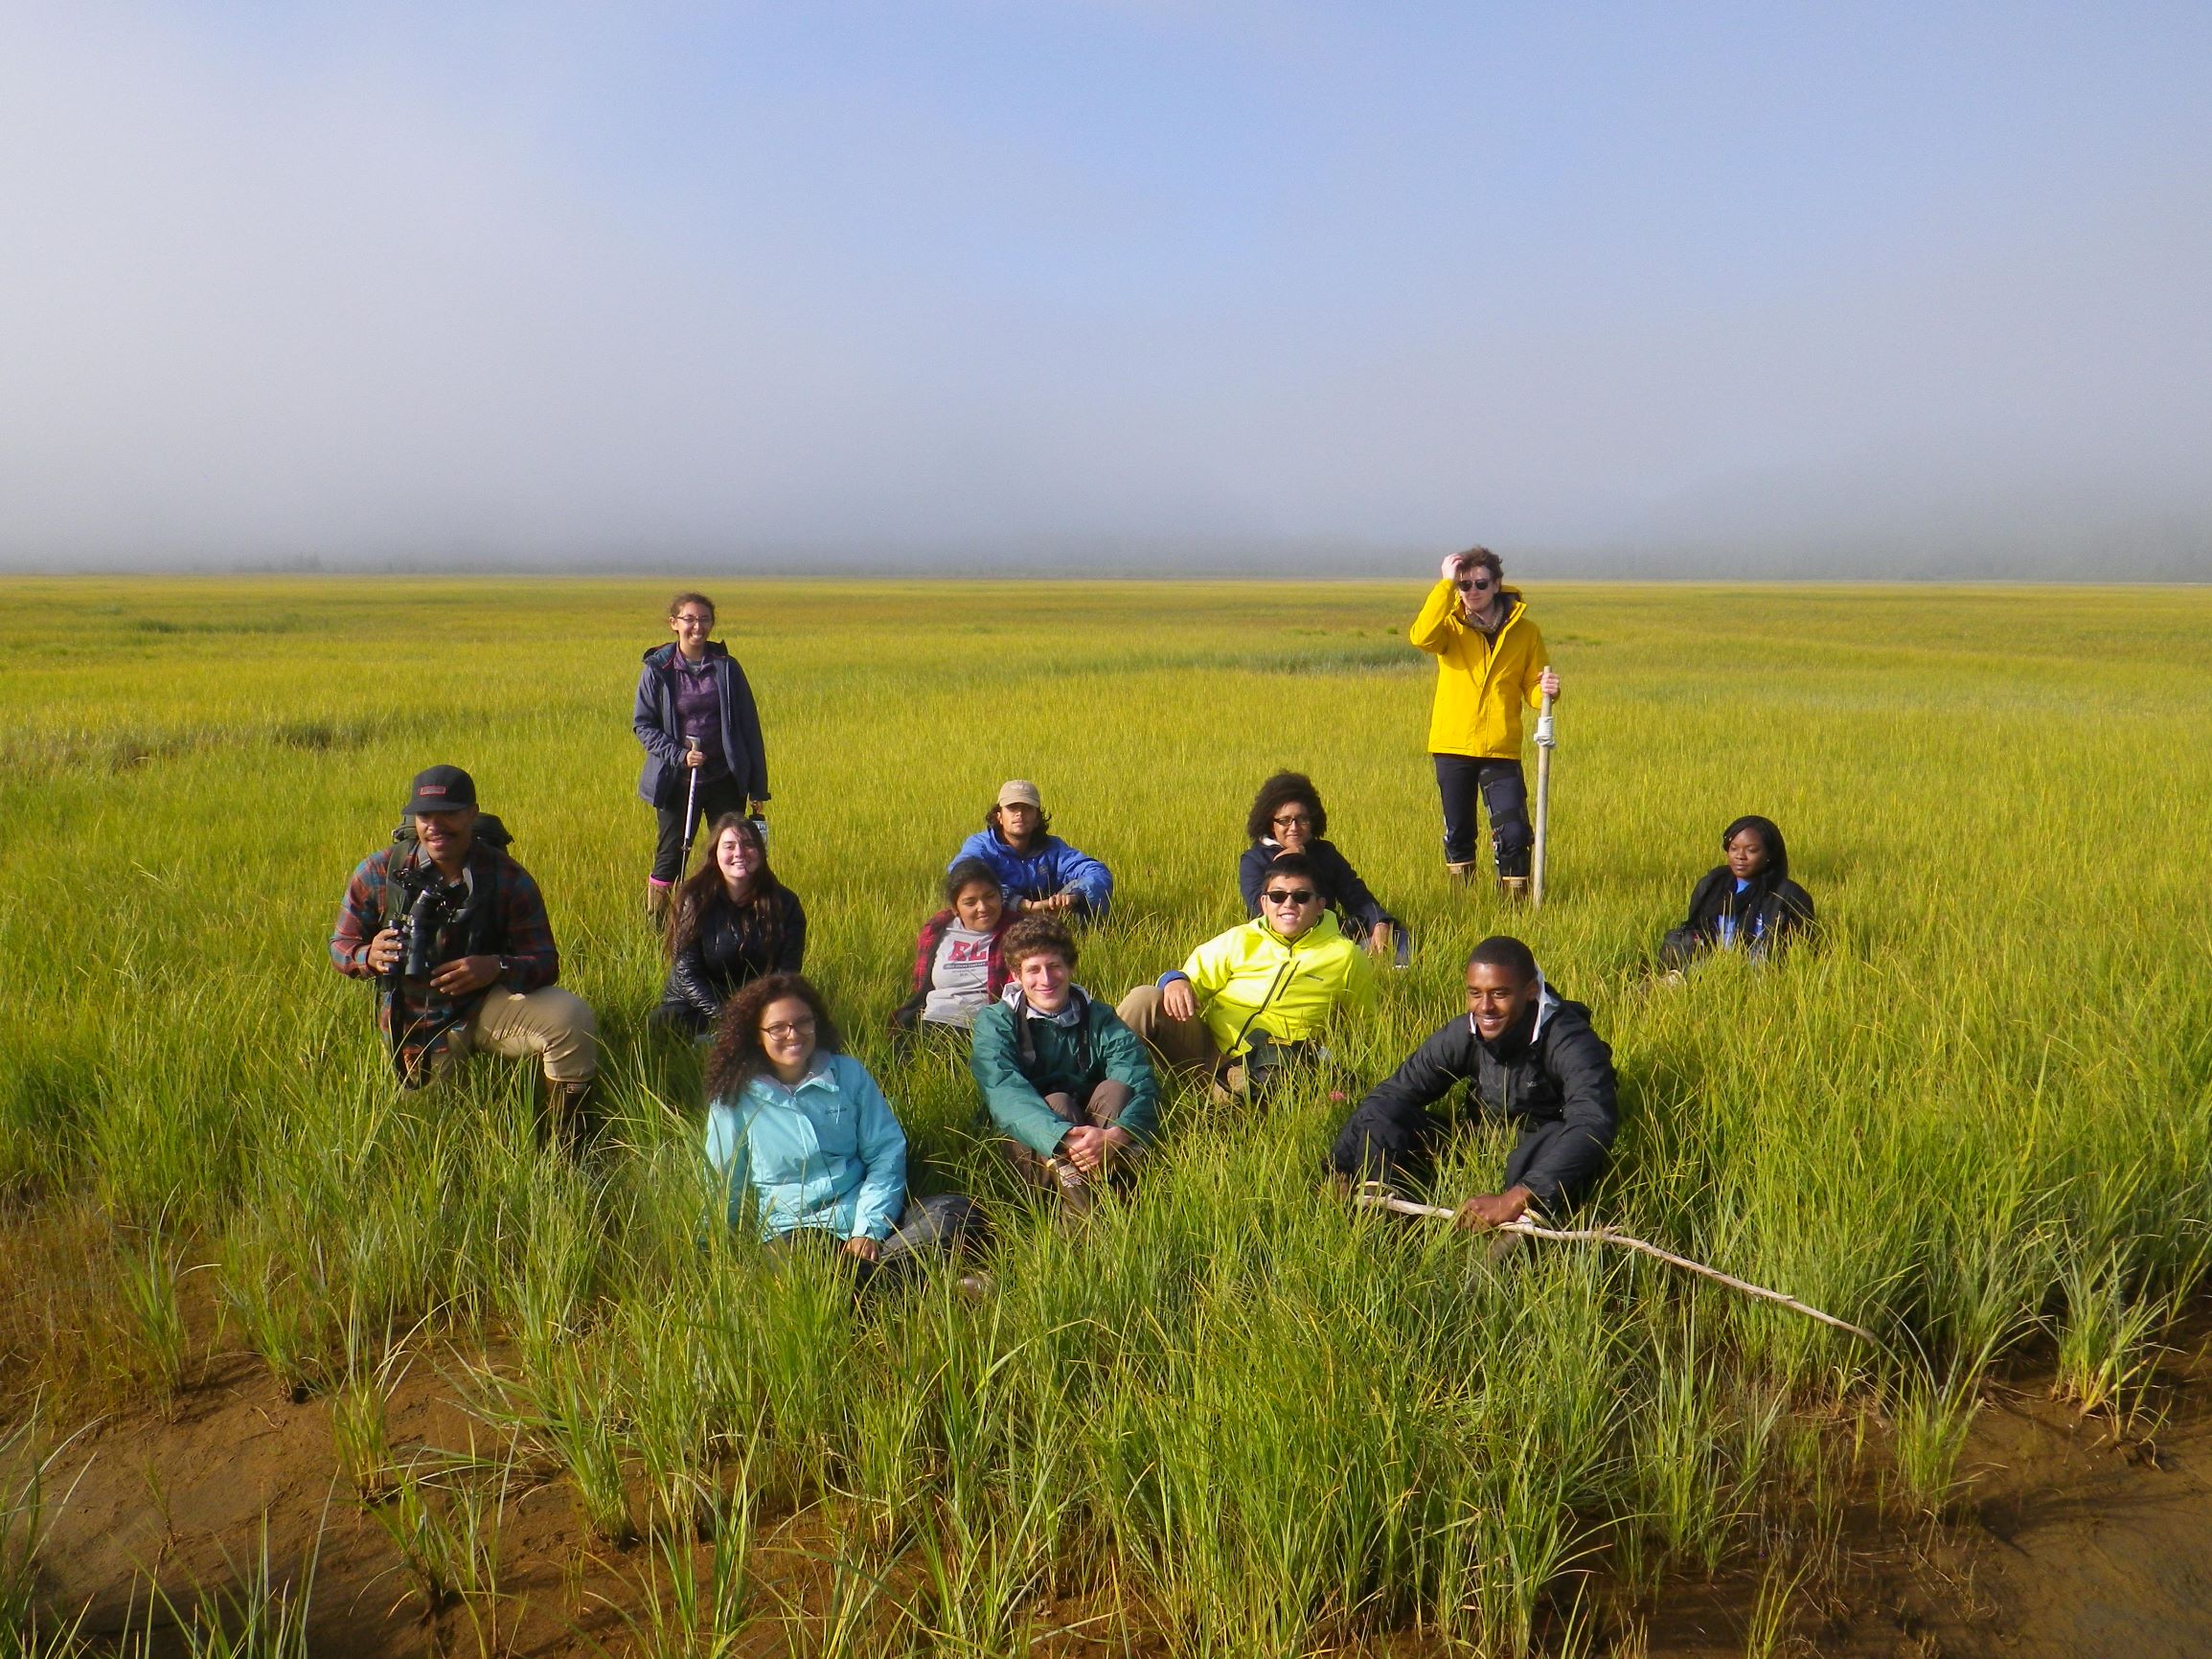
<point x="731" y="922"/>
<point x="1288" y="816"/>
<point x="802" y="1127"/>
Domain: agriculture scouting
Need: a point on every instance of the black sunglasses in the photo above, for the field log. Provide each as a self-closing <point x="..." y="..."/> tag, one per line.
<point x="1480" y="584"/>
<point x="1288" y="896"/>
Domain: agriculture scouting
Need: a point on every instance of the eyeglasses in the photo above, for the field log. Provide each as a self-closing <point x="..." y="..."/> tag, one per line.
<point x="783" y="1031"/>
<point x="1288" y="896"/>
<point x="694" y="621"/>
<point x="1477" y="583"/>
<point x="1291" y="820"/>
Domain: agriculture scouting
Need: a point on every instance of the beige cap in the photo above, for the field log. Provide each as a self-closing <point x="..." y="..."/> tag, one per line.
<point x="1019" y="792"/>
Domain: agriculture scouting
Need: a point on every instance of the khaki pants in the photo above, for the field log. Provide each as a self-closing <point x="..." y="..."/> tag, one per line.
<point x="553" y="1024"/>
<point x="1182" y="1045"/>
<point x="1057" y="1175"/>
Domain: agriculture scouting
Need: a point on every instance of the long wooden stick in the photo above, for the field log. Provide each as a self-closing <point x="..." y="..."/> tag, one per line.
<point x="1543" y="801"/>
<point x="1373" y="1199"/>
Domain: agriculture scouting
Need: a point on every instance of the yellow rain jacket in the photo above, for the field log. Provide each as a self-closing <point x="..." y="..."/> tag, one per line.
<point x="1480" y="686"/>
<point x="1252" y="978"/>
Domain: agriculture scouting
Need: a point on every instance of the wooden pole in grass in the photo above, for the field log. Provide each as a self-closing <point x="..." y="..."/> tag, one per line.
<point x="1545" y="744"/>
<point x="1376" y="1197"/>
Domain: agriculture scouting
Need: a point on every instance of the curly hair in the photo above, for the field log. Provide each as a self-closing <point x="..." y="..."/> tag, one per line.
<point x="1038" y="935"/>
<point x="702" y="889"/>
<point x="1279" y="792"/>
<point x="737" y="1057"/>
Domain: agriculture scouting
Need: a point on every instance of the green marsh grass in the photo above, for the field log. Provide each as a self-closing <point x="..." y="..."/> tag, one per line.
<point x="1977" y="1119"/>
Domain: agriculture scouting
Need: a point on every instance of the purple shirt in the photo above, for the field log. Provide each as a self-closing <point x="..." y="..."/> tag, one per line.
<point x="699" y="713"/>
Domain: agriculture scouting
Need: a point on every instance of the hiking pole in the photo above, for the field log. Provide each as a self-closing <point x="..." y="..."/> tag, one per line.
<point x="1545" y="743"/>
<point x="691" y="809"/>
<point x="1374" y="1196"/>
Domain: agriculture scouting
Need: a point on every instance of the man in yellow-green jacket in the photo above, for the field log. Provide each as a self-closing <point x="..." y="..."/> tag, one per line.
<point x="1251" y="998"/>
<point x="1490" y="663"/>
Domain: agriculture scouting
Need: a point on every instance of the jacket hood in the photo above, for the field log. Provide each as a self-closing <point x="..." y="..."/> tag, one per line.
<point x="1547" y="1003"/>
<point x="661" y="656"/>
<point x="1777" y="849"/>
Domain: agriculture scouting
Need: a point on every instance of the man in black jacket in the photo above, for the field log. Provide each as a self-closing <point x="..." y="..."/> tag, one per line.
<point x="1531" y="1056"/>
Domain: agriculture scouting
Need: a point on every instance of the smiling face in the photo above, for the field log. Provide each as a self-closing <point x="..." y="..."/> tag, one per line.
<point x="692" y="623"/>
<point x="979" y="905"/>
<point x="1478" y="586"/>
<point x="1043" y="978"/>
<point x="1497" y="998"/>
<point x="1293" y="826"/>
<point x="444" y="836"/>
<point x="1746" y="854"/>
<point x="738" y="858"/>
<point x="788" y="1037"/>
<point x="1291" y="904"/>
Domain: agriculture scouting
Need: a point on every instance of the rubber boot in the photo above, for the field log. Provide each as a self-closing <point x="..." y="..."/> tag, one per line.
<point x="571" y="1119"/>
<point x="1462" y="874"/>
<point x="656" y="904"/>
<point x="1512" y="889"/>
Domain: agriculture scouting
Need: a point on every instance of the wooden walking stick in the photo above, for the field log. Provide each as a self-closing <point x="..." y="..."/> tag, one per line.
<point x="1374" y="1197"/>
<point x="1545" y="743"/>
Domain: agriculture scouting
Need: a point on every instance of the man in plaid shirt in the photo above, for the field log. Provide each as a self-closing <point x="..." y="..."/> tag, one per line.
<point x="481" y="934"/>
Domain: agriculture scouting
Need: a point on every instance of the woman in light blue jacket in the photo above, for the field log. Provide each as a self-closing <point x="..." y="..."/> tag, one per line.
<point x="802" y="1130"/>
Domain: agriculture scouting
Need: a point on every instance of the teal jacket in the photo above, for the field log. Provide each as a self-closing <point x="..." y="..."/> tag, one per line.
<point x="1072" y="1060"/>
<point x="826" y="1153"/>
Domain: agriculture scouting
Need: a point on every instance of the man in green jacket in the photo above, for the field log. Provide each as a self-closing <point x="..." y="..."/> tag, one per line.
<point x="1068" y="1084"/>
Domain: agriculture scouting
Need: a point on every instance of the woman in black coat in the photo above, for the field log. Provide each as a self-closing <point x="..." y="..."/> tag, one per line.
<point x="731" y="923"/>
<point x="1749" y="903"/>
<point x="1288" y="816"/>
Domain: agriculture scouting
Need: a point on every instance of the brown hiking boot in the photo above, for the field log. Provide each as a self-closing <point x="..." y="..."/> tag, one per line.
<point x="1462" y="874"/>
<point x="1076" y="1195"/>
<point x="656" y="904"/>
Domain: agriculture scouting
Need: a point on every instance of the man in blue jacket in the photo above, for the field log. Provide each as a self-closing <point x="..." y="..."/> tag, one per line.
<point x="1039" y="872"/>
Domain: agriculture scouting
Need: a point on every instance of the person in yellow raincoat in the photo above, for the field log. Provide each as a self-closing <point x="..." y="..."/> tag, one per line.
<point x="1491" y="663"/>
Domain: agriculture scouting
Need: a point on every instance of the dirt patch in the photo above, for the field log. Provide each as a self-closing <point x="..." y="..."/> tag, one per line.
<point x="2068" y="1541"/>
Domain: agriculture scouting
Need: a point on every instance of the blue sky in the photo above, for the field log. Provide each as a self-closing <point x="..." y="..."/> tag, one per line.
<point x="1759" y="287"/>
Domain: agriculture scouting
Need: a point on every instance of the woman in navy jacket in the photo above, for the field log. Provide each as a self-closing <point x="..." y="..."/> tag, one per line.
<point x="1288" y="816"/>
<point x="694" y="711"/>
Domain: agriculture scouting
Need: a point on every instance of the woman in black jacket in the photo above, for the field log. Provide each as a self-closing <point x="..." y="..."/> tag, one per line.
<point x="1288" y="816"/>
<point x="1748" y="903"/>
<point x="731" y="923"/>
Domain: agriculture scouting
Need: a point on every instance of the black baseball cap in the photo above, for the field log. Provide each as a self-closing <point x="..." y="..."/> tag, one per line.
<point x="441" y="789"/>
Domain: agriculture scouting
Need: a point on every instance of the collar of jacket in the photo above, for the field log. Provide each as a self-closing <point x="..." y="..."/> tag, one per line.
<point x="1324" y="929"/>
<point x="1078" y="1003"/>
<point x="663" y="657"/>
<point x="1513" y="615"/>
<point x="820" y="1075"/>
<point x="1547" y="1000"/>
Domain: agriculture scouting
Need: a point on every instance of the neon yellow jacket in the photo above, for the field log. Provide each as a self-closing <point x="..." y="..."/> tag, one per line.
<point x="1252" y="978"/>
<point x="1479" y="687"/>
